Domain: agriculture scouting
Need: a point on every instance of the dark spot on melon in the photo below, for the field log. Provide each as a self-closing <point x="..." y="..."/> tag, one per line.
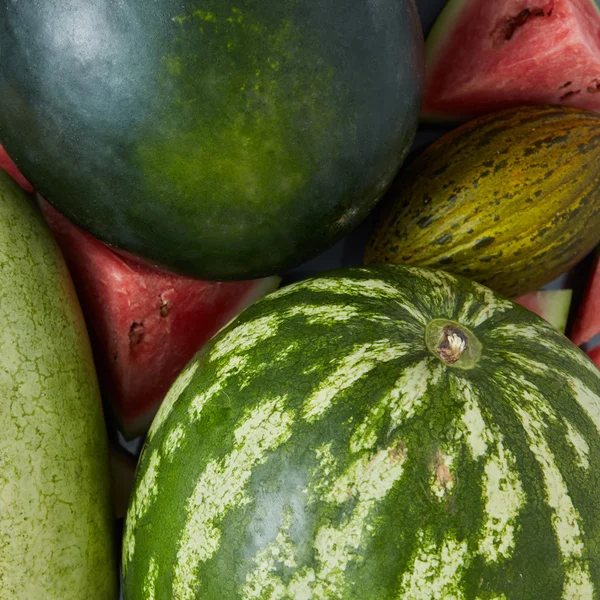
<point x="422" y="223"/>
<point x="511" y="24"/>
<point x="485" y="259"/>
<point x="483" y="242"/>
<point x="443" y="239"/>
<point x="427" y="199"/>
<point x="136" y="333"/>
<point x="496" y="217"/>
<point x="470" y="230"/>
<point x="565" y="84"/>
<point x="441" y="170"/>
<point x="165" y="309"/>
<point x="446" y="260"/>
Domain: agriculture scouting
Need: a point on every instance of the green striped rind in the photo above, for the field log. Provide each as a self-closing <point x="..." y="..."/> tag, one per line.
<point x="317" y="450"/>
<point x="511" y="200"/>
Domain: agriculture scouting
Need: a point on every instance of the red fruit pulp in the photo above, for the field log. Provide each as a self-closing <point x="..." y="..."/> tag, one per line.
<point x="587" y="321"/>
<point x="144" y="324"/>
<point x="9" y="166"/>
<point x="485" y="55"/>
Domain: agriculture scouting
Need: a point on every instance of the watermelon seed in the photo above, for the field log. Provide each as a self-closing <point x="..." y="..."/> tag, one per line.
<point x="513" y="23"/>
<point x="136" y="333"/>
<point x="569" y="94"/>
<point x="564" y="85"/>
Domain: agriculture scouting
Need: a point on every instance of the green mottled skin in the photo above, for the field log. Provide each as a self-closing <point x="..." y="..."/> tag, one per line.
<point x="56" y="536"/>
<point x="511" y="200"/>
<point x="224" y="140"/>
<point x="294" y="362"/>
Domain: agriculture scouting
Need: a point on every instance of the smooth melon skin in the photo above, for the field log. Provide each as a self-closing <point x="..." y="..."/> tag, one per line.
<point x="222" y="140"/>
<point x="56" y="525"/>
<point x="319" y="449"/>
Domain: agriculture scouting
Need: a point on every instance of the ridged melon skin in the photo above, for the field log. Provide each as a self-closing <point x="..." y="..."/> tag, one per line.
<point x="221" y="140"/>
<point x="318" y="450"/>
<point x="511" y="200"/>
<point x="56" y="524"/>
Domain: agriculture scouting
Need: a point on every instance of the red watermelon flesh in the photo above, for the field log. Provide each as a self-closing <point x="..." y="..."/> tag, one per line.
<point x="145" y="325"/>
<point x="485" y="55"/>
<point x="587" y="320"/>
<point x="552" y="305"/>
<point x="594" y="354"/>
<point x="9" y="166"/>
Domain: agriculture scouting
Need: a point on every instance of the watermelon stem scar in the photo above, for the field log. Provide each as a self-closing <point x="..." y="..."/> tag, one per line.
<point x="454" y="344"/>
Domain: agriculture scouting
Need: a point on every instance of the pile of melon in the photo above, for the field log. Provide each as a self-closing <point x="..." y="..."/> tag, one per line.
<point x="300" y="301"/>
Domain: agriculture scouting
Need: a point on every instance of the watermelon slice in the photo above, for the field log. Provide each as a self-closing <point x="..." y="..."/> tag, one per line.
<point x="594" y="354"/>
<point x="484" y="55"/>
<point x="552" y="305"/>
<point x="587" y="320"/>
<point x="145" y="324"/>
<point x="9" y="166"/>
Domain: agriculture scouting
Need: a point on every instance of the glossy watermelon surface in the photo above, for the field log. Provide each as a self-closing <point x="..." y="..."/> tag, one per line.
<point x="219" y="139"/>
<point x="330" y="445"/>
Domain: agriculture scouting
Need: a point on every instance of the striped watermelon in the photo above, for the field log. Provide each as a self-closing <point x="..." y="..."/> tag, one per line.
<point x="373" y="433"/>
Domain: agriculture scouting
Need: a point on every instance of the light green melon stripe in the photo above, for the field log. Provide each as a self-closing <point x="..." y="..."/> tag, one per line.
<point x="411" y="389"/>
<point x="371" y="288"/>
<point x="263" y="581"/>
<point x="588" y="400"/>
<point x="221" y="487"/>
<point x="489" y="304"/>
<point x="579" y="444"/>
<point x="566" y="519"/>
<point x="145" y="492"/>
<point x="403" y="400"/>
<point x="150" y="580"/>
<point x="349" y="369"/>
<point x="504" y="499"/>
<point x="478" y="435"/>
<point x="436" y="572"/>
<point x="232" y="366"/>
<point x="245" y="336"/>
<point x="182" y="381"/>
<point x="525" y="362"/>
<point x="367" y="288"/>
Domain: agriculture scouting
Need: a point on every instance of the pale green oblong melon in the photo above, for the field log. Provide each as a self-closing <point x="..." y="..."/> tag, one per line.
<point x="56" y="527"/>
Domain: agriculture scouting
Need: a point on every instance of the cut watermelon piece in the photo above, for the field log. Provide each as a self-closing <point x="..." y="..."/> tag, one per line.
<point x="594" y="354"/>
<point x="587" y="320"/>
<point x="145" y="324"/>
<point x="9" y="166"/>
<point x="552" y="305"/>
<point x="485" y="55"/>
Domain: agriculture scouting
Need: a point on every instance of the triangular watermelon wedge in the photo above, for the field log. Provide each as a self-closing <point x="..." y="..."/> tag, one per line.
<point x="587" y="320"/>
<point x="9" y="166"/>
<point x="485" y="55"/>
<point x="145" y="325"/>
<point x="551" y="305"/>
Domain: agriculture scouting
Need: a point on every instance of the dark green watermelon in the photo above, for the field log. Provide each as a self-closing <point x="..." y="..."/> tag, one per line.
<point x="220" y="139"/>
